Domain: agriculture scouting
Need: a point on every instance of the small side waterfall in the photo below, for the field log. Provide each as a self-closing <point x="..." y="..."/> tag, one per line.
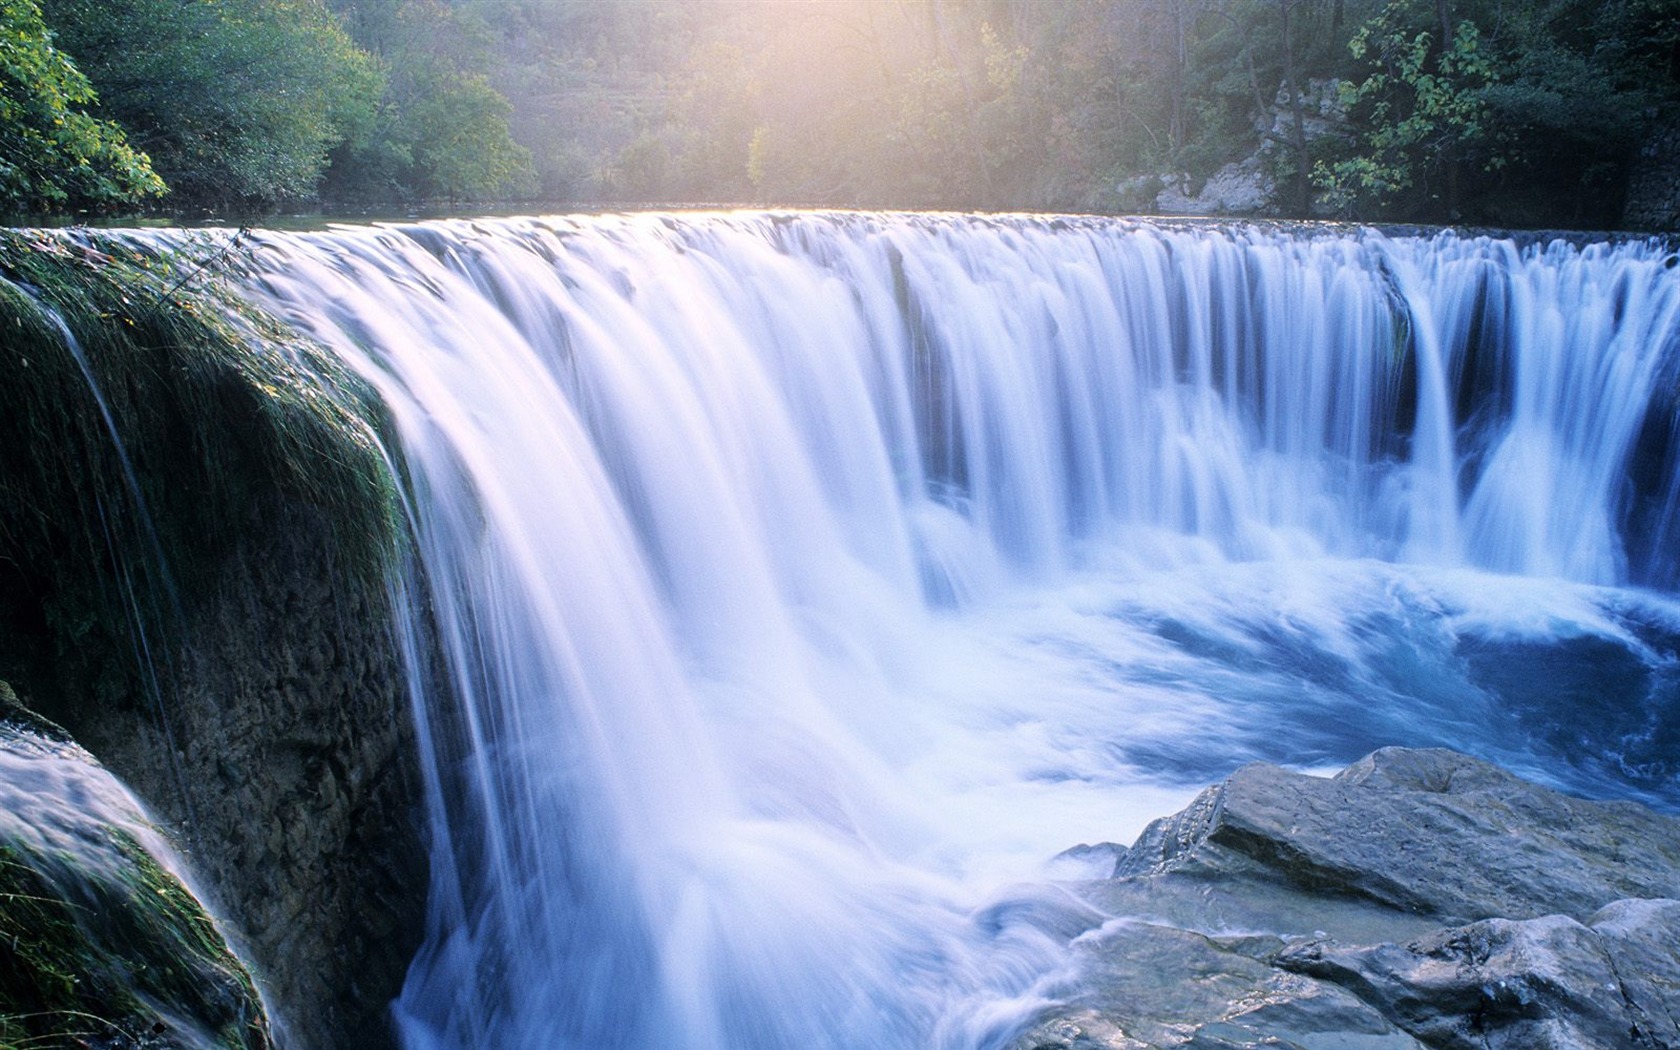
<point x="807" y="581"/>
<point x="92" y="889"/>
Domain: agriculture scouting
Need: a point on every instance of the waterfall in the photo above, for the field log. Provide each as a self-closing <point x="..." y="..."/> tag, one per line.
<point x="806" y="582"/>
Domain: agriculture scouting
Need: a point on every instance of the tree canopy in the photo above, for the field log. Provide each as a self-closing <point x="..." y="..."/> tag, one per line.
<point x="1483" y="108"/>
<point x="442" y="129"/>
<point x="1417" y="110"/>
<point x="53" y="154"/>
<point x="1444" y="110"/>
<point x="237" y="102"/>
<point x="246" y="105"/>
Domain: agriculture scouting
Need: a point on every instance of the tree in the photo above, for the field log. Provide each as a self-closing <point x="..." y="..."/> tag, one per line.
<point x="457" y="130"/>
<point x="1584" y="83"/>
<point x="238" y="102"/>
<point x="715" y="119"/>
<point x="441" y="129"/>
<point x="1424" y="114"/>
<point x="53" y="155"/>
<point x="1301" y="194"/>
<point x="1530" y="113"/>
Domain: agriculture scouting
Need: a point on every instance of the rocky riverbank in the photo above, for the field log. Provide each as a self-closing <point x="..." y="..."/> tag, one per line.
<point x="1417" y="899"/>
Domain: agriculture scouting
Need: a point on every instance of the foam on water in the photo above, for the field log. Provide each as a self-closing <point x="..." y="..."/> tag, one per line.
<point x="807" y="582"/>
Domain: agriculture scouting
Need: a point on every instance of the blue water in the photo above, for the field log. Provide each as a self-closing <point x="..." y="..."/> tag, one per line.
<point x="807" y="582"/>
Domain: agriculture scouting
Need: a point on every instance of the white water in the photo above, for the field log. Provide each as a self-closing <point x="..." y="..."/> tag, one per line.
<point x="807" y="582"/>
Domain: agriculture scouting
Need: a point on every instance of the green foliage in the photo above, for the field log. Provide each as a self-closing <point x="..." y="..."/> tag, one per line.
<point x="238" y="102"/>
<point x="1424" y="108"/>
<point x="932" y="151"/>
<point x="1585" y="84"/>
<point x="442" y="129"/>
<point x="53" y="155"/>
<point x="643" y="164"/>
<point x="1532" y="114"/>
<point x="456" y="130"/>
<point x="716" y="120"/>
<point x="1469" y="109"/>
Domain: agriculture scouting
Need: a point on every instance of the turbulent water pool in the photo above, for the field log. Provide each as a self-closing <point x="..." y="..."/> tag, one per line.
<point x="808" y="582"/>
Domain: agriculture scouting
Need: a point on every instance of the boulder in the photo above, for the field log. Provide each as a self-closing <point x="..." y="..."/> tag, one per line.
<point x="1149" y="984"/>
<point x="1240" y="188"/>
<point x="1428" y="832"/>
<point x="1550" y="983"/>
<point x="1418" y="898"/>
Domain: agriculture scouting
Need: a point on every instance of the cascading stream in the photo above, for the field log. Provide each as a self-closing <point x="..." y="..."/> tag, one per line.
<point x="805" y="582"/>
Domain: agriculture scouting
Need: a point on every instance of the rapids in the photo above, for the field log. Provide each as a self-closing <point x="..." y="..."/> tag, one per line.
<point x="807" y="582"/>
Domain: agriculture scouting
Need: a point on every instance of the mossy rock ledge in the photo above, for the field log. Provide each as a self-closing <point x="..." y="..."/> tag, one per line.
<point x="1418" y="899"/>
<point x="101" y="946"/>
<point x="197" y="529"/>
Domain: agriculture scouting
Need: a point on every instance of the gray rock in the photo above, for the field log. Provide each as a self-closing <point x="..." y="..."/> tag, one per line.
<point x="1241" y="188"/>
<point x="1149" y="985"/>
<point x="1430" y="832"/>
<point x="1324" y="114"/>
<point x="1419" y="898"/>
<point x="1247" y="187"/>
<point x="286" y="771"/>
<point x="1642" y="938"/>
<point x="1550" y="983"/>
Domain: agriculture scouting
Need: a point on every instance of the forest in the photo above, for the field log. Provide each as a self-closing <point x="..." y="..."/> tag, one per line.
<point x="1489" y="112"/>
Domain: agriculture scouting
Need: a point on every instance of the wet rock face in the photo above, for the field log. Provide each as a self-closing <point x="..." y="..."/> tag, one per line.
<point x="1419" y="898"/>
<point x="1550" y="982"/>
<point x="1428" y="832"/>
<point x="280" y="758"/>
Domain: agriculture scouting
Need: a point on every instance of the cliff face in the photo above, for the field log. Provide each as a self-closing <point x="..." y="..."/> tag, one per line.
<point x="195" y="525"/>
<point x="287" y="775"/>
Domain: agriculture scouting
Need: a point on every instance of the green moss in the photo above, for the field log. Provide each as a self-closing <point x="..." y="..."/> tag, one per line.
<point x="119" y="957"/>
<point x="214" y="419"/>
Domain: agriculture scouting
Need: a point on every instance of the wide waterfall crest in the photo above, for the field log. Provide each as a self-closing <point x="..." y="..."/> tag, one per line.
<point x="805" y="580"/>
